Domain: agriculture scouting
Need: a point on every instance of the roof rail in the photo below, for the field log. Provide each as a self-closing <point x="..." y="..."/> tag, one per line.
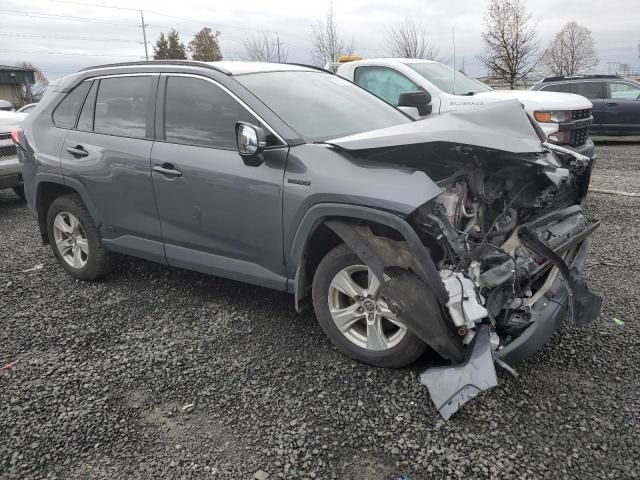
<point x="577" y="77"/>
<point x="312" y="67"/>
<point x="160" y="62"/>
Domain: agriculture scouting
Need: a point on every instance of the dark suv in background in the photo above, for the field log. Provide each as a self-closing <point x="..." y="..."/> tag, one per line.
<point x="616" y="100"/>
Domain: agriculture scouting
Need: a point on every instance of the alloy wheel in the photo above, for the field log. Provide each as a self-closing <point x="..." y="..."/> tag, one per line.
<point x="71" y="240"/>
<point x="362" y="316"/>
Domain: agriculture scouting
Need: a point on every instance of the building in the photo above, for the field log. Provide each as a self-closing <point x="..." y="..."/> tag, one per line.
<point x="11" y="81"/>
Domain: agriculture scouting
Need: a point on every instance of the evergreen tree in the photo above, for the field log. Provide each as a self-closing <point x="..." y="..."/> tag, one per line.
<point x="169" y="47"/>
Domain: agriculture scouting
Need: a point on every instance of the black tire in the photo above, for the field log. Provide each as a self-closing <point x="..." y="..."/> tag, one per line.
<point x="19" y="191"/>
<point x="404" y="353"/>
<point x="97" y="263"/>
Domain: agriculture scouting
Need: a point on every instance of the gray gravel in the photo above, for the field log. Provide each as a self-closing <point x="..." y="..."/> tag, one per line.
<point x="108" y="371"/>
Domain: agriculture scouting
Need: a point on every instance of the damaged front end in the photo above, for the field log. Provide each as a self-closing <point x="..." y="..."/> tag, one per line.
<point x="508" y="239"/>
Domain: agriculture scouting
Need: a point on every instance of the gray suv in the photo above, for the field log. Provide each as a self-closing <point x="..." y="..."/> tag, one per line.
<point x="461" y="232"/>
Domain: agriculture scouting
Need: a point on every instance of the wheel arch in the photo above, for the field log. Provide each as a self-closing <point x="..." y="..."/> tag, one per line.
<point x="317" y="235"/>
<point x="48" y="187"/>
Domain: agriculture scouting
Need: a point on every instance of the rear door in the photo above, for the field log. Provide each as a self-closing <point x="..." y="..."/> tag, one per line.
<point x="622" y="107"/>
<point x="106" y="157"/>
<point x="218" y="215"/>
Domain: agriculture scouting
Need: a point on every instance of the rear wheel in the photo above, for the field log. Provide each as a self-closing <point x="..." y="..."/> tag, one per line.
<point x="75" y="239"/>
<point x="355" y="318"/>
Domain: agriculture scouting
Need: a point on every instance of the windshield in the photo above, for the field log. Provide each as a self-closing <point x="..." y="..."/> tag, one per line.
<point x="443" y="78"/>
<point x="320" y="106"/>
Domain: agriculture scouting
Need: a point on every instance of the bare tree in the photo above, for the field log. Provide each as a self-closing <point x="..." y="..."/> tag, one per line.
<point x="408" y="40"/>
<point x="571" y="52"/>
<point x="327" y="45"/>
<point x="263" y="47"/>
<point x="32" y="91"/>
<point x="509" y="40"/>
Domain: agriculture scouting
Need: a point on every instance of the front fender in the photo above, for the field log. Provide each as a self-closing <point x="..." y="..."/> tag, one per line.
<point x="320" y="213"/>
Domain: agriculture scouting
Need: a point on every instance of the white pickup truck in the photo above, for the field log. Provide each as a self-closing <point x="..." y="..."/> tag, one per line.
<point x="564" y="117"/>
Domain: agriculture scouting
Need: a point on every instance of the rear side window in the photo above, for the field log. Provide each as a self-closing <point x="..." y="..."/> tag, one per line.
<point x="66" y="112"/>
<point x="198" y="112"/>
<point x="124" y="106"/>
<point x="385" y="83"/>
<point x="591" y="90"/>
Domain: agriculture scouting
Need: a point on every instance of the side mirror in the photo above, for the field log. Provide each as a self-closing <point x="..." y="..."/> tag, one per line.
<point x="251" y="141"/>
<point x="420" y="100"/>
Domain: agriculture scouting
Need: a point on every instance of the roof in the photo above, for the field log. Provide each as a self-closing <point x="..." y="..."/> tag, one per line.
<point x="576" y="77"/>
<point x="15" y="69"/>
<point x="228" y="67"/>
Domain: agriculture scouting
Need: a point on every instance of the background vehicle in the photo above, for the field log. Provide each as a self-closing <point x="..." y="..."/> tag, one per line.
<point x="564" y="118"/>
<point x="10" y="169"/>
<point x="403" y="233"/>
<point x="616" y="100"/>
<point x="27" y="108"/>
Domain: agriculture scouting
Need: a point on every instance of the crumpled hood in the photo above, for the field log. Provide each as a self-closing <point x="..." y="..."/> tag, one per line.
<point x="10" y="121"/>
<point x="498" y="126"/>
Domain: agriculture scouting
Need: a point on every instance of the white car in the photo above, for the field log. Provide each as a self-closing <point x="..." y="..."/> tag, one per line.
<point x="27" y="108"/>
<point x="564" y="117"/>
<point x="10" y="168"/>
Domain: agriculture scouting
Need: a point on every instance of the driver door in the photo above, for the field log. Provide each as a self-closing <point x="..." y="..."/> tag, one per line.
<point x="217" y="215"/>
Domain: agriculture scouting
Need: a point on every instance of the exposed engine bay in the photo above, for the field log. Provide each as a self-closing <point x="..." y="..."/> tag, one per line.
<point x="487" y="269"/>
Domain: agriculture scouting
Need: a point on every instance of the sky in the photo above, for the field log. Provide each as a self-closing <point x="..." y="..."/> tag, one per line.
<point x="63" y="36"/>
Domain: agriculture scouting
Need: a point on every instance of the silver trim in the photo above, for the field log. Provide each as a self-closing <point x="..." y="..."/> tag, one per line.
<point x="116" y="75"/>
<point x="249" y="109"/>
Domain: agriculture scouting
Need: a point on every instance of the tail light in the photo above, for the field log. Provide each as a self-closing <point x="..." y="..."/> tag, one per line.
<point x="14" y="137"/>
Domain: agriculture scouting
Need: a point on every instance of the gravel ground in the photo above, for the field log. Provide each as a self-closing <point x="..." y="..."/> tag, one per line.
<point x="163" y="373"/>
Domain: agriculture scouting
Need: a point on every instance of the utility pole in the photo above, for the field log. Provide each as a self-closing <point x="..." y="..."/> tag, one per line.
<point x="278" y="43"/>
<point x="144" y="36"/>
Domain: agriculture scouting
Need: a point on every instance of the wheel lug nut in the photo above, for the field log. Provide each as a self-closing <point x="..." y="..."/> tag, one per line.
<point x="360" y="309"/>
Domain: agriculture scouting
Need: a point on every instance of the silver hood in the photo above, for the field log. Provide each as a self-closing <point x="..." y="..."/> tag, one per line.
<point x="499" y="126"/>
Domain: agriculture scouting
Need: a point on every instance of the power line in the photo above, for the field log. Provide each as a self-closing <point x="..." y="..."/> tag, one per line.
<point x="65" y="17"/>
<point x="186" y="19"/>
<point x="68" y="37"/>
<point x="49" y="52"/>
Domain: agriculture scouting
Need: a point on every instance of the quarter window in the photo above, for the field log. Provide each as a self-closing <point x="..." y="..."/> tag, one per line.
<point x="384" y="82"/>
<point x="66" y="113"/>
<point x="85" y="122"/>
<point x="624" y="91"/>
<point x="198" y="112"/>
<point x="123" y="106"/>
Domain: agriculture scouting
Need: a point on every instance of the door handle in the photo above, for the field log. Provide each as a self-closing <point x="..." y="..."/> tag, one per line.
<point x="612" y="104"/>
<point x="168" y="170"/>
<point x="77" y="151"/>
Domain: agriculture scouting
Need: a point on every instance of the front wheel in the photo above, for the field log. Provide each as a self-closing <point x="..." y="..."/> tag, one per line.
<point x="355" y="318"/>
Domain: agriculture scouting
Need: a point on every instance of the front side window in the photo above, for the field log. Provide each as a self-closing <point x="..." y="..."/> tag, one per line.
<point x="123" y="106"/>
<point x="385" y="83"/>
<point x="198" y="112"/>
<point x="66" y="113"/>
<point x="320" y="106"/>
<point x="624" y="91"/>
<point x="448" y="80"/>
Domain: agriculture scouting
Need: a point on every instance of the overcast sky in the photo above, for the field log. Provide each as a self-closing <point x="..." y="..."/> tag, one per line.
<point x="62" y="37"/>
